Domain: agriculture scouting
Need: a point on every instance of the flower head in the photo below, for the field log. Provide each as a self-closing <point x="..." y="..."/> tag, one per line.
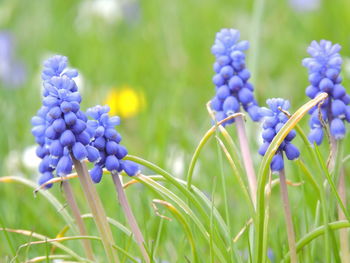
<point x="273" y="121"/>
<point x="324" y="68"/>
<point x="231" y="79"/>
<point x="60" y="125"/>
<point x="106" y="139"/>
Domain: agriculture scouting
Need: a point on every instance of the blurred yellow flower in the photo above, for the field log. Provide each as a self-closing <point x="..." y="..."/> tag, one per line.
<point x="125" y="101"/>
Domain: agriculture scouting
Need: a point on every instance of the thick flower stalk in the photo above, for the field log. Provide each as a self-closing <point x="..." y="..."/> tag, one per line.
<point x="274" y="119"/>
<point x="60" y="125"/>
<point x="233" y="90"/>
<point x="324" y="68"/>
<point x="107" y="140"/>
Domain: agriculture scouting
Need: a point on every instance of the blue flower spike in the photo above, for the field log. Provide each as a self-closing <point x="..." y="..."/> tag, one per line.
<point x="324" y="68"/>
<point x="106" y="139"/>
<point x="233" y="89"/>
<point x="60" y="126"/>
<point x="273" y="121"/>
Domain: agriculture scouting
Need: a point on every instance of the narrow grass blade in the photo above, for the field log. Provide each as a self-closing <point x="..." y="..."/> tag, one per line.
<point x="189" y="194"/>
<point x="165" y="192"/>
<point x="308" y="238"/>
<point x="182" y="220"/>
<point x="43" y="240"/>
<point x="200" y="146"/>
<point x="49" y="197"/>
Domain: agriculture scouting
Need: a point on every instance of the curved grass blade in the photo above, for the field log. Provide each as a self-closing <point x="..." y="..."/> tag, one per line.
<point x="165" y="192"/>
<point x="43" y="240"/>
<point x="50" y="197"/>
<point x="331" y="183"/>
<point x="182" y="220"/>
<point x="188" y="194"/>
<point x="264" y="170"/>
<point x="305" y="240"/>
<point x="202" y="143"/>
<point x="42" y="258"/>
<point x="113" y="222"/>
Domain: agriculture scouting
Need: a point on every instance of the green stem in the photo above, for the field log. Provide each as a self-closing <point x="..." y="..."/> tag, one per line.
<point x="288" y="217"/>
<point x="97" y="210"/>
<point x="130" y="216"/>
<point x="304" y="241"/>
<point x="76" y="213"/>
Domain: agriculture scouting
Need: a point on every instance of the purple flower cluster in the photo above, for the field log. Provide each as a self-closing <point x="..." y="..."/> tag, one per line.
<point x="324" y="68"/>
<point x="231" y="79"/>
<point x="106" y="139"/>
<point x="273" y="121"/>
<point x="60" y="125"/>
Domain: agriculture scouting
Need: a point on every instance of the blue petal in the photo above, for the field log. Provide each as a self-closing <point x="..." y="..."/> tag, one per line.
<point x="316" y="136"/>
<point x="291" y="151"/>
<point x="130" y="167"/>
<point x="45" y="177"/>
<point x="263" y="148"/>
<point x="230" y="105"/>
<point x="277" y="163"/>
<point x="79" y="151"/>
<point x="100" y="143"/>
<point x="96" y="174"/>
<point x="56" y="148"/>
<point x="67" y="138"/>
<point x="112" y="148"/>
<point x="112" y="163"/>
<point x="235" y="83"/>
<point x="83" y="137"/>
<point x="121" y="152"/>
<point x="337" y="128"/>
<point x="64" y="165"/>
<point x="93" y="154"/>
<point x="70" y="118"/>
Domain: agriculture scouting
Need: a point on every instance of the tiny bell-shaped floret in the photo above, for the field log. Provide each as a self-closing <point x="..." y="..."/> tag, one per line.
<point x="273" y="120"/>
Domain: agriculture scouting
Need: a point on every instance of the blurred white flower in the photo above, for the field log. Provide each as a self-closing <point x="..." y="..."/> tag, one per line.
<point x="305" y="5"/>
<point x="29" y="158"/>
<point x="107" y="10"/>
<point x="176" y="161"/>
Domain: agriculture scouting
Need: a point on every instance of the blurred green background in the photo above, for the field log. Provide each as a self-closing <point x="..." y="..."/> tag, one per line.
<point x="160" y="49"/>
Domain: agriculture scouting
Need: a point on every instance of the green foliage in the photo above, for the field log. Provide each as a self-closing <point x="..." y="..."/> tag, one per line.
<point x="165" y="53"/>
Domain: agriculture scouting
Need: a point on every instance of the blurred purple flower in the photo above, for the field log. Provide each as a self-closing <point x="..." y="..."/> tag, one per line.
<point x="304" y="5"/>
<point x="12" y="70"/>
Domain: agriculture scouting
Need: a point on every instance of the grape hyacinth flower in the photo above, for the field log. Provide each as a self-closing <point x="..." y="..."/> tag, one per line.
<point x="273" y="121"/>
<point x="324" y="76"/>
<point x="106" y="139"/>
<point x="60" y="125"/>
<point x="233" y="89"/>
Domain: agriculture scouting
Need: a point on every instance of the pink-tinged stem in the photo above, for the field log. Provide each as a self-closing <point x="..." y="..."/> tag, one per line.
<point x="97" y="210"/>
<point x="77" y="215"/>
<point x="288" y="217"/>
<point x="130" y="216"/>
<point x="247" y="159"/>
